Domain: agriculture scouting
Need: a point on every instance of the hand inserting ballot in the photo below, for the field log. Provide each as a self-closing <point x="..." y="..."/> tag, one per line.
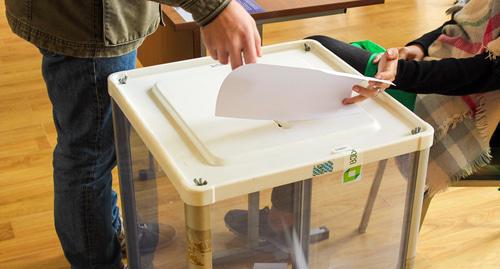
<point x="387" y="70"/>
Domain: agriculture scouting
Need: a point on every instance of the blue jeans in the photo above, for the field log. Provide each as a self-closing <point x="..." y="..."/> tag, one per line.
<point x="86" y="216"/>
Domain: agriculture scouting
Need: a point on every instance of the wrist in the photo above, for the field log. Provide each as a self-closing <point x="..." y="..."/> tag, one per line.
<point x="418" y="50"/>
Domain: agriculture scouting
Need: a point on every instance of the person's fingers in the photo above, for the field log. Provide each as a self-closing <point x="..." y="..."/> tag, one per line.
<point x="367" y="92"/>
<point x="383" y="75"/>
<point x="235" y="57"/>
<point x="249" y="50"/>
<point x="377" y="58"/>
<point x="354" y="99"/>
<point x="229" y="32"/>
<point x="363" y="91"/>
<point x="214" y="54"/>
<point x="386" y="75"/>
<point x="223" y="56"/>
<point x="392" y="54"/>
<point x="375" y="85"/>
<point x="404" y="54"/>
<point x="258" y="42"/>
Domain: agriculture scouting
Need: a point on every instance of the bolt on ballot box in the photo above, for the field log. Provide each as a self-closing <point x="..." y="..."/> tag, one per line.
<point x="337" y="192"/>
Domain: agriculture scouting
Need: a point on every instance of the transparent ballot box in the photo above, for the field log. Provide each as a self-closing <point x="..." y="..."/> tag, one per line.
<point x="200" y="191"/>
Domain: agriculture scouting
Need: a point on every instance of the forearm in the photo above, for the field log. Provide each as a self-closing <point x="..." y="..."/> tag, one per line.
<point x="204" y="11"/>
<point x="427" y="39"/>
<point x="449" y="76"/>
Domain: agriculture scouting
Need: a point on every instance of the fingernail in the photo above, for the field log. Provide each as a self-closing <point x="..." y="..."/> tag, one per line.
<point x="395" y="53"/>
<point x="356" y="89"/>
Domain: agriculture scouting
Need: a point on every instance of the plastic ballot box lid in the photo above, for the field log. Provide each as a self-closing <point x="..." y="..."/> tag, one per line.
<point x="209" y="158"/>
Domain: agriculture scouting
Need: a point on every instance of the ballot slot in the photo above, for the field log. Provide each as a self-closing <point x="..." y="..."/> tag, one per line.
<point x="190" y="94"/>
<point x="282" y="124"/>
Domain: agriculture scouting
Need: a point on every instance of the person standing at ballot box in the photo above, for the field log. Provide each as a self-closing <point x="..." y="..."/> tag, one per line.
<point x="82" y="43"/>
<point x="455" y="70"/>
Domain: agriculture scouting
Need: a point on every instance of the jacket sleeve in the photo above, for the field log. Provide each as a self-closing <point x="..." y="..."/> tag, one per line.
<point x="427" y="39"/>
<point x="204" y="11"/>
<point x="449" y="76"/>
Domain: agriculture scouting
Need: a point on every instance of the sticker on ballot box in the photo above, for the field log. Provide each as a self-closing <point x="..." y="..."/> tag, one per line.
<point x="323" y="168"/>
<point x="353" y="161"/>
<point x="352" y="166"/>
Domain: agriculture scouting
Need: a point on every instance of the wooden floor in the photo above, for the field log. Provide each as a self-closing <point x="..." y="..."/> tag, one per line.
<point x="462" y="229"/>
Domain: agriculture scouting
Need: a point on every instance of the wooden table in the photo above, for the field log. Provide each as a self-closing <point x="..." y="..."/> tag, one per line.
<point x="180" y="39"/>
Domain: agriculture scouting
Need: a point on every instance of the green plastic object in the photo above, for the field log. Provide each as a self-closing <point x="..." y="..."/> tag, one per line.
<point x="405" y="98"/>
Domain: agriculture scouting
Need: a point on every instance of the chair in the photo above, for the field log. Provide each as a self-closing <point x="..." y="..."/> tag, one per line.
<point x="487" y="176"/>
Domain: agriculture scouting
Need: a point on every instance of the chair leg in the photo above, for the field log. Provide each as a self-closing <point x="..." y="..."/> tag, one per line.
<point x="253" y="219"/>
<point x="425" y="206"/>
<point x="372" y="196"/>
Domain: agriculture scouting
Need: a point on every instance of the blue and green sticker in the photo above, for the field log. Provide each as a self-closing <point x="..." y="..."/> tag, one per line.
<point x="323" y="168"/>
<point x="353" y="168"/>
<point x="352" y="174"/>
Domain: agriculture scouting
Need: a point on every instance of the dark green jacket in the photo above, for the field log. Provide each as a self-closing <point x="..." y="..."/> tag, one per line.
<point x="96" y="28"/>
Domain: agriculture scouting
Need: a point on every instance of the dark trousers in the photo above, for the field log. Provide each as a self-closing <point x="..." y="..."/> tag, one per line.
<point x="86" y="216"/>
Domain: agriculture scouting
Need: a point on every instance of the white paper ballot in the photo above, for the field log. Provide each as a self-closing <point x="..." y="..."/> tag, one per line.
<point x="273" y="92"/>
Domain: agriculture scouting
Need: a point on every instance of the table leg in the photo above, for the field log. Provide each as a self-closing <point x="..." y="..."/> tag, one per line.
<point x="302" y="195"/>
<point x="199" y="237"/>
<point x="414" y="200"/>
<point x="127" y="193"/>
<point x="253" y="219"/>
<point x="260" y="28"/>
<point x="200" y="47"/>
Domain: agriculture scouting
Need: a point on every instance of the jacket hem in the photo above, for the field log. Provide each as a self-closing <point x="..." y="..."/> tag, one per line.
<point x="213" y="15"/>
<point x="204" y="11"/>
<point x="65" y="47"/>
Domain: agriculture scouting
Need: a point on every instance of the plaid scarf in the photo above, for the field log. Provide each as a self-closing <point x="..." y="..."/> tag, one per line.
<point x="464" y="124"/>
